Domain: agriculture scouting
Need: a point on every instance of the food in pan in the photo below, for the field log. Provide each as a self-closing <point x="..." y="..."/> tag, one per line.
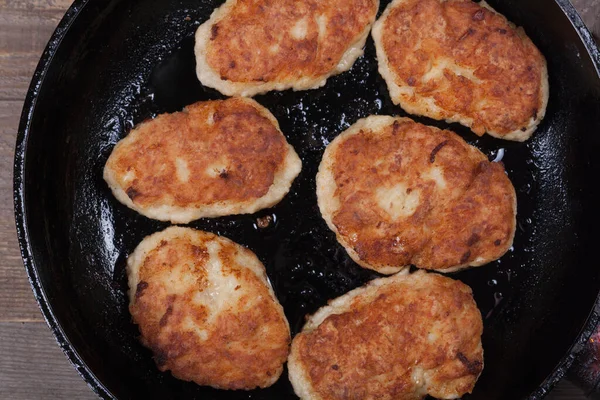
<point x="204" y="306"/>
<point x="400" y="337"/>
<point x="212" y="159"/>
<point x="397" y="193"/>
<point x="463" y="62"/>
<point x="255" y="46"/>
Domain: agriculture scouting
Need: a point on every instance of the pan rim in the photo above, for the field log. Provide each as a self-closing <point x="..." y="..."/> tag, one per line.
<point x="30" y="264"/>
<point x="21" y="220"/>
<point x="593" y="319"/>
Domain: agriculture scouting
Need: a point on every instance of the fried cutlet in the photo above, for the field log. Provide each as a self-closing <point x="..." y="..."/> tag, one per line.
<point x="255" y="46"/>
<point x="212" y="159"/>
<point x="204" y="306"/>
<point x="461" y="61"/>
<point x="398" y="338"/>
<point x="399" y="193"/>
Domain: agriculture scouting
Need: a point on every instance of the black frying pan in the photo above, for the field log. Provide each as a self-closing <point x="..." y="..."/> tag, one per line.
<point x="112" y="64"/>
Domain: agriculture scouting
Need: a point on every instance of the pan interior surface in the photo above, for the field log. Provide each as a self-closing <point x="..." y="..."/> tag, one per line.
<point x="122" y="62"/>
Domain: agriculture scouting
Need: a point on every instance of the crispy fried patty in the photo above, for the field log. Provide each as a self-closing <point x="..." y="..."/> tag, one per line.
<point x="461" y="61"/>
<point x="205" y="308"/>
<point x="398" y="338"/>
<point x="397" y="193"/>
<point x="254" y="46"/>
<point x="214" y="158"/>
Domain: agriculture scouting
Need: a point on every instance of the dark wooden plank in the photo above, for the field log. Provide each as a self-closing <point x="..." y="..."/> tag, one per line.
<point x="565" y="390"/>
<point x="590" y="13"/>
<point x="35" y="5"/>
<point x="23" y="36"/>
<point x="32" y="366"/>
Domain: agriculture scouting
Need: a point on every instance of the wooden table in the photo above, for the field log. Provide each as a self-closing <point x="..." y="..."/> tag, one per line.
<point x="31" y="364"/>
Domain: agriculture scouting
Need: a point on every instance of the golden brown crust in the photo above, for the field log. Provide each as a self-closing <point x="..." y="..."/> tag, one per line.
<point x="399" y="338"/>
<point x="266" y="44"/>
<point x="204" y="307"/>
<point x="213" y="158"/>
<point x="461" y="61"/>
<point x="399" y="193"/>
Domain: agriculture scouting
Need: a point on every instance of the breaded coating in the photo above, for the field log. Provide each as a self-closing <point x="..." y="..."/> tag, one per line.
<point x="255" y="46"/>
<point x="461" y="61"/>
<point x="398" y="338"/>
<point x="212" y="159"/>
<point x="204" y="306"/>
<point x="397" y="193"/>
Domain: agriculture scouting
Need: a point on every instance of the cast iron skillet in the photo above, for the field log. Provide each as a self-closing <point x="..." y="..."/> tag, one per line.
<point x="112" y="64"/>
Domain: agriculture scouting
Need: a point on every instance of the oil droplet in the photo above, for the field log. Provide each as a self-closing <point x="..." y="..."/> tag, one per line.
<point x="497" y="300"/>
<point x="499" y="155"/>
<point x="107" y="232"/>
<point x="265" y="222"/>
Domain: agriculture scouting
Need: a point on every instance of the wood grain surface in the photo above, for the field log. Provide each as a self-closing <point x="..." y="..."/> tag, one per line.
<point x="32" y="366"/>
